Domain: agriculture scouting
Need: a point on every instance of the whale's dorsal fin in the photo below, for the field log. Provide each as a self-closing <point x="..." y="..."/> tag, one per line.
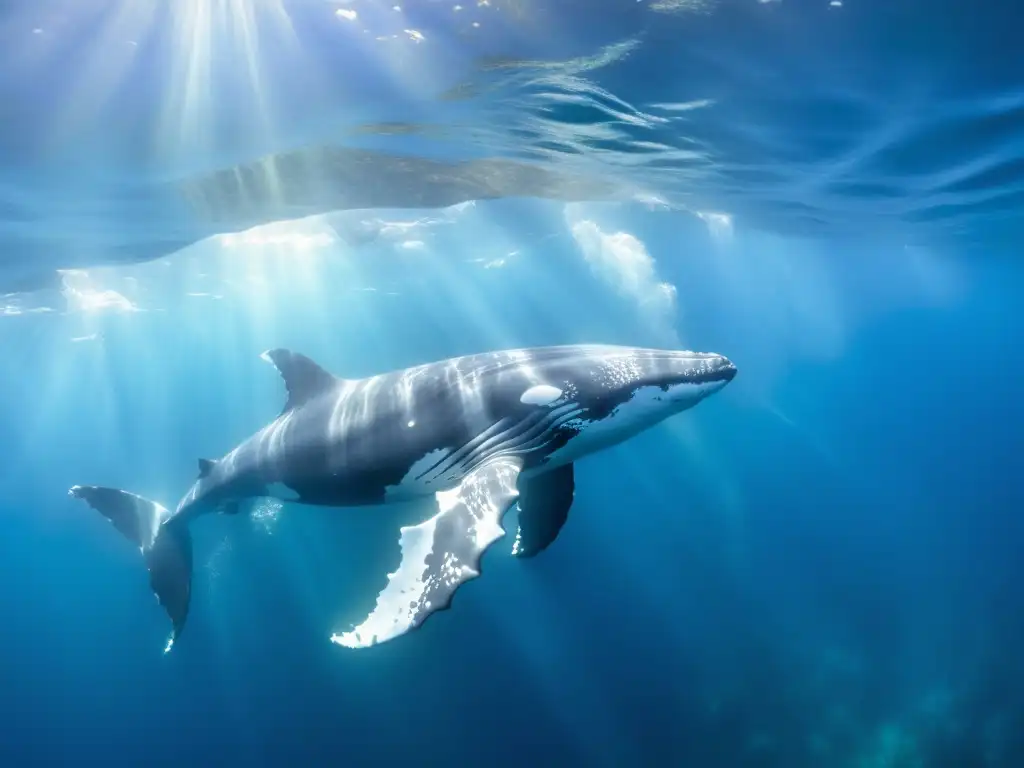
<point x="303" y="378"/>
<point x="206" y="467"/>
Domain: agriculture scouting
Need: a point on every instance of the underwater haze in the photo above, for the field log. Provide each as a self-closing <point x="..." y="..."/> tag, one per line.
<point x="819" y="566"/>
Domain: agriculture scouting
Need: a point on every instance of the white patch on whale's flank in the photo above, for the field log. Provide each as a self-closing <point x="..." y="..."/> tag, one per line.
<point x="409" y="485"/>
<point x="541" y="394"/>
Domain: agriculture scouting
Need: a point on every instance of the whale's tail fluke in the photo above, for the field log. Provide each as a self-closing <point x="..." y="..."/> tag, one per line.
<point x="165" y="543"/>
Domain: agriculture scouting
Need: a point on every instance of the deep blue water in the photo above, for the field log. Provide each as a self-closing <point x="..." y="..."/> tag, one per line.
<point x="816" y="567"/>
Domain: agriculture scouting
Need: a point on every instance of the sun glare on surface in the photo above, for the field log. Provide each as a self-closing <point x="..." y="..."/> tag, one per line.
<point x="192" y="62"/>
<point x="186" y="55"/>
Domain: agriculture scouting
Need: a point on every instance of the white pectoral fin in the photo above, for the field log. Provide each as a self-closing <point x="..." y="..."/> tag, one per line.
<point x="440" y="554"/>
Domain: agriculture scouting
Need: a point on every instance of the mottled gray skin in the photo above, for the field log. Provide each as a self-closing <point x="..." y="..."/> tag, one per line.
<point x="418" y="431"/>
<point x="510" y="424"/>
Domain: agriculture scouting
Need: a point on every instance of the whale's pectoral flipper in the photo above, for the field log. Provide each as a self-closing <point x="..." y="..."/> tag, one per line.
<point x="440" y="554"/>
<point x="303" y="378"/>
<point x="544" y="502"/>
<point x="166" y="548"/>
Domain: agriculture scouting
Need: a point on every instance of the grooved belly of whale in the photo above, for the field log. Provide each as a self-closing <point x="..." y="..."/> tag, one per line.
<point x="425" y="476"/>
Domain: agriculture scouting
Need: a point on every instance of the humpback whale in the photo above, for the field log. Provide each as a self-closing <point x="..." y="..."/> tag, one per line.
<point x="475" y="435"/>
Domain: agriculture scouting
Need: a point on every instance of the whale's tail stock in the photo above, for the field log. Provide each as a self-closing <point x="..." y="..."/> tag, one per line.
<point x="165" y="543"/>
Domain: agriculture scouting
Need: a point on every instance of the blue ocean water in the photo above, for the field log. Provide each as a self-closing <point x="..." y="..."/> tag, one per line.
<point x="816" y="567"/>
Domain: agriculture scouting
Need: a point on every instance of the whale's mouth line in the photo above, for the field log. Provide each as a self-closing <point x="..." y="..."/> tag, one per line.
<point x="710" y="377"/>
<point x="721" y="375"/>
<point x="725" y="373"/>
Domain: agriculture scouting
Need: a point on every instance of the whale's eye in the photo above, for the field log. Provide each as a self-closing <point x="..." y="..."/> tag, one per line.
<point x="541" y="394"/>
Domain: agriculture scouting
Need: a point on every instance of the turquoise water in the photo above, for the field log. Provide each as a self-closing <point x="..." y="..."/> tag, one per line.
<point x="815" y="567"/>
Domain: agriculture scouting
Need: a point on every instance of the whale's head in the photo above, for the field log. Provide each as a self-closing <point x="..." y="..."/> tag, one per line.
<point x="597" y="396"/>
